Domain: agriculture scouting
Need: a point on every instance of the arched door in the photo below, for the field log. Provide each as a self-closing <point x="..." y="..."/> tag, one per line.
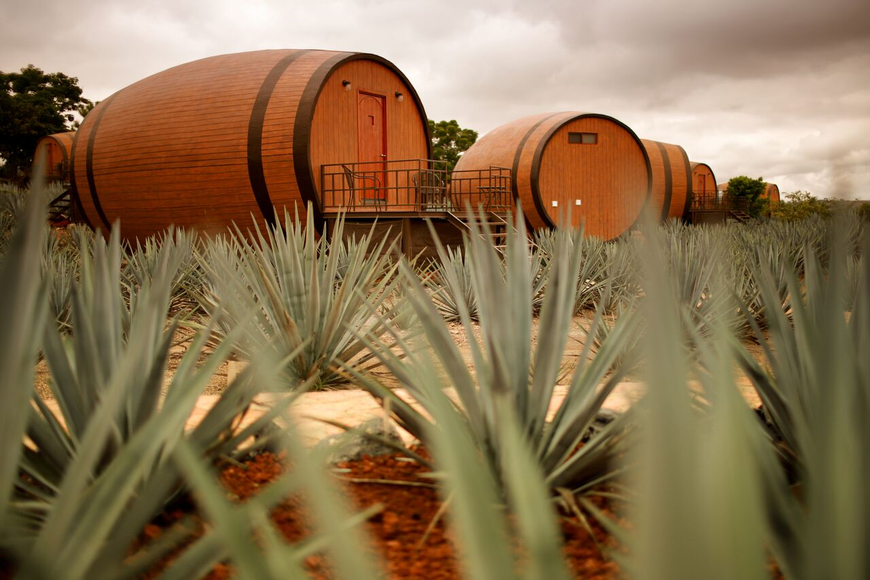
<point x="372" y="140"/>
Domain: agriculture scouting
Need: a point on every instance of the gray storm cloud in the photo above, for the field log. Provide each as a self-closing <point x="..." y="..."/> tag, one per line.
<point x="775" y="88"/>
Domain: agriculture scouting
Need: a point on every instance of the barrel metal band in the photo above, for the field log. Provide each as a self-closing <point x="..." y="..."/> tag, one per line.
<point x="539" y="206"/>
<point x="256" y="175"/>
<point x="669" y="180"/>
<point x="689" y="185"/>
<point x="89" y="163"/>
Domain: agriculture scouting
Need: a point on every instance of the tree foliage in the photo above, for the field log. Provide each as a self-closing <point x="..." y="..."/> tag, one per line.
<point x="33" y="104"/>
<point x="750" y="189"/>
<point x="799" y="205"/>
<point x="742" y="186"/>
<point x="450" y="141"/>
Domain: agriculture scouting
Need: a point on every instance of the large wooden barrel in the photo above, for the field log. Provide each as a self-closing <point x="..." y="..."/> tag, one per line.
<point x="671" y="179"/>
<point x="703" y="181"/>
<point x="215" y="141"/>
<point x="590" y="165"/>
<point x="55" y="151"/>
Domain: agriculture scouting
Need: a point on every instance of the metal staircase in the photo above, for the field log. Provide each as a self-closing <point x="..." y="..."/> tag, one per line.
<point x="60" y="209"/>
<point x="496" y="222"/>
<point x="740" y="215"/>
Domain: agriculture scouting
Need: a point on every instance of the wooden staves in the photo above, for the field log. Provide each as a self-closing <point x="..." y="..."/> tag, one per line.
<point x="225" y="138"/>
<point x="588" y="166"/>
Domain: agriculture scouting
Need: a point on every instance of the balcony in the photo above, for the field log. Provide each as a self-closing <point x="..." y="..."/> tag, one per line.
<point x="717" y="202"/>
<point x="412" y="186"/>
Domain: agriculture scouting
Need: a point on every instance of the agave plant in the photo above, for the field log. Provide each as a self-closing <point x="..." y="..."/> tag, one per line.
<point x="685" y="457"/>
<point x="764" y="261"/>
<point x="12" y="201"/>
<point x="598" y="334"/>
<point x="595" y="272"/>
<point x="142" y="261"/>
<point x="60" y="263"/>
<point x="289" y="279"/>
<point x="694" y="259"/>
<point x="450" y="283"/>
<point x="816" y="400"/>
<point x="789" y="390"/>
<point x="621" y="273"/>
<point x="508" y="373"/>
<point x="92" y="472"/>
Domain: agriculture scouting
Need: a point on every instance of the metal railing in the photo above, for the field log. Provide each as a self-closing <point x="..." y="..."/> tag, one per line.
<point x="489" y="189"/>
<point x="724" y="202"/>
<point x="411" y="185"/>
<point x="58" y="172"/>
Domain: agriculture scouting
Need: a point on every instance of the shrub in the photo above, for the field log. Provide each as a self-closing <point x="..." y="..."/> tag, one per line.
<point x="800" y="205"/>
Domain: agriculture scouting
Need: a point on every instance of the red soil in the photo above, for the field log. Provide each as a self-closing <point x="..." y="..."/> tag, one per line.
<point x="397" y="530"/>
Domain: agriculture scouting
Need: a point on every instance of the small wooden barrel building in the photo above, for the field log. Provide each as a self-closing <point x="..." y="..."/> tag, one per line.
<point x="590" y="165"/>
<point x="55" y="152"/>
<point x="771" y="192"/>
<point x="703" y="181"/>
<point x="215" y="141"/>
<point x="671" y="179"/>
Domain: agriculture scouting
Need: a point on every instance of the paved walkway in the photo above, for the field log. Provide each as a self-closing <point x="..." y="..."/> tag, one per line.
<point x="353" y="407"/>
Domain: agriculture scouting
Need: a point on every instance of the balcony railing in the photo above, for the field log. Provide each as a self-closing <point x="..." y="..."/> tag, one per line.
<point x="411" y="185"/>
<point x="724" y="202"/>
<point x="489" y="189"/>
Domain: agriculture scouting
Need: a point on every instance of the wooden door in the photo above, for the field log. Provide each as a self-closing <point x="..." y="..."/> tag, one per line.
<point x="702" y="184"/>
<point x="372" y="140"/>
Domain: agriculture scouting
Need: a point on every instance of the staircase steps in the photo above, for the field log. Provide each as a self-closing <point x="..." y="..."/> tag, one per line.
<point x="740" y="215"/>
<point x="60" y="208"/>
<point x="497" y="223"/>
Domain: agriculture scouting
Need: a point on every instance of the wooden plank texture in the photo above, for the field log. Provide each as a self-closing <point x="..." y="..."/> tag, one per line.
<point x="176" y="147"/>
<point x="610" y="178"/>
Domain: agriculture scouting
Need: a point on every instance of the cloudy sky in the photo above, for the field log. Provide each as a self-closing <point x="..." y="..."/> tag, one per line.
<point x="772" y="88"/>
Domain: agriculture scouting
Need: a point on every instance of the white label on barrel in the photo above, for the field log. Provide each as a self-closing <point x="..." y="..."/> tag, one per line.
<point x="555" y="203"/>
<point x="577" y="202"/>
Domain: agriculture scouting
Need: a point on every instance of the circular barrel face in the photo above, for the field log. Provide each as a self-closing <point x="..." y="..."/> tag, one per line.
<point x="703" y="183"/>
<point x="593" y="171"/>
<point x="576" y="169"/>
<point x="54" y="153"/>
<point x="236" y="137"/>
<point x="771" y="192"/>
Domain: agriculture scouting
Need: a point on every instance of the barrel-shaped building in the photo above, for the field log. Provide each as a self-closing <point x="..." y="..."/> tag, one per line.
<point x="703" y="181"/>
<point x="771" y="192"/>
<point x="54" y="153"/>
<point x="671" y="179"/>
<point x="588" y="166"/>
<point x="225" y="138"/>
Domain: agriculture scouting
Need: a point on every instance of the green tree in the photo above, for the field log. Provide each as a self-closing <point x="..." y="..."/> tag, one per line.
<point x="799" y="205"/>
<point x="450" y="141"/>
<point x="33" y="104"/>
<point x="750" y="189"/>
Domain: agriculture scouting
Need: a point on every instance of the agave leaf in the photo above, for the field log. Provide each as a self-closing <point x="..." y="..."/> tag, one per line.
<point x="529" y="499"/>
<point x="22" y="315"/>
<point x="678" y="471"/>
